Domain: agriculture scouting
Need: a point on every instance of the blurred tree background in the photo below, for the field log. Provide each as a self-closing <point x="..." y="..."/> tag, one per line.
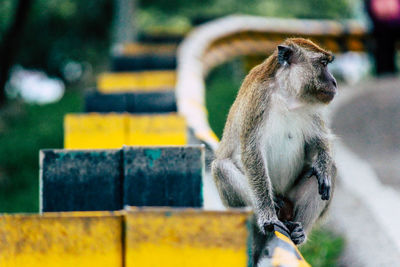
<point x="61" y="31"/>
<point x="58" y="31"/>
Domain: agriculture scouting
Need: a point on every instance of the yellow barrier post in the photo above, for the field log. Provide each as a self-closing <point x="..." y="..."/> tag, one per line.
<point x="157" y="130"/>
<point x="129" y="49"/>
<point x="186" y="237"/>
<point x="136" y="81"/>
<point x="95" y="131"/>
<point x="61" y="239"/>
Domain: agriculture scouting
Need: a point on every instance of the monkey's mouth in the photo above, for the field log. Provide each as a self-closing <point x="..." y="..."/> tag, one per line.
<point x="326" y="95"/>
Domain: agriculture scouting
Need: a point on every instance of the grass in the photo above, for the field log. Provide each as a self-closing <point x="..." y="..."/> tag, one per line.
<point x="25" y="129"/>
<point x="323" y="248"/>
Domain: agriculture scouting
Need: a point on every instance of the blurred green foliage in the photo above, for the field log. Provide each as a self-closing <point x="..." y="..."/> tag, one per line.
<point x="186" y="12"/>
<point x="24" y="129"/>
<point x="323" y="248"/>
<point x="222" y="84"/>
<point x="62" y="30"/>
<point x="58" y="31"/>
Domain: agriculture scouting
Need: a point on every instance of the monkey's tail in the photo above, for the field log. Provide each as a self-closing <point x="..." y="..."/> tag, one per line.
<point x="210" y="147"/>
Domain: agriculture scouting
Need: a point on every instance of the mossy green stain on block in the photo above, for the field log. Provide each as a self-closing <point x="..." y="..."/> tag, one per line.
<point x="170" y="178"/>
<point x="152" y="155"/>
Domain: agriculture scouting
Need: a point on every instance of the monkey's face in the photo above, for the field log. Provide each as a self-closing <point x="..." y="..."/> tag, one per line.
<point x="306" y="73"/>
<point x="321" y="85"/>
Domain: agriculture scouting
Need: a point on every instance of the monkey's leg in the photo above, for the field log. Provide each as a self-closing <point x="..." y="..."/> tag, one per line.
<point x="308" y="207"/>
<point x="231" y="183"/>
<point x="259" y="241"/>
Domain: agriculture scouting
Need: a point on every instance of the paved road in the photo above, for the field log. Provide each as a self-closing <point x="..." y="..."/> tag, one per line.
<point x="366" y="205"/>
<point x="370" y="126"/>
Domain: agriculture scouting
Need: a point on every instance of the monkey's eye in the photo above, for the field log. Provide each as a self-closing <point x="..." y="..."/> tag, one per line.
<point x="324" y="62"/>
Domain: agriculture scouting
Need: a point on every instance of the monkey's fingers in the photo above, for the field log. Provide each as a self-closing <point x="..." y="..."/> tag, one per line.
<point x="327" y="192"/>
<point x="269" y="226"/>
<point x="324" y="188"/>
<point x="298" y="235"/>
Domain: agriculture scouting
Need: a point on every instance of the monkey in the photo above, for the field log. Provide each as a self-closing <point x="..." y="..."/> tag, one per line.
<point x="275" y="154"/>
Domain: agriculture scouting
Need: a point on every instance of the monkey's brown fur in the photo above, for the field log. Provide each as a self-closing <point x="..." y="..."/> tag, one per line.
<point x="275" y="139"/>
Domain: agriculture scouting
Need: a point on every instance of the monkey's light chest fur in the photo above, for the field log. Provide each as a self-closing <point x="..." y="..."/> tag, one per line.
<point x="286" y="131"/>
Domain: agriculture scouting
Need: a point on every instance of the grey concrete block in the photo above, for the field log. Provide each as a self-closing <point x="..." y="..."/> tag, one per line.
<point x="136" y="102"/>
<point x="168" y="176"/>
<point x="79" y="180"/>
<point x="83" y="180"/>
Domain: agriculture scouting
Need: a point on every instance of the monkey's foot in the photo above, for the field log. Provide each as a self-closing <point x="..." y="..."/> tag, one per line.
<point x="269" y="226"/>
<point x="297" y="233"/>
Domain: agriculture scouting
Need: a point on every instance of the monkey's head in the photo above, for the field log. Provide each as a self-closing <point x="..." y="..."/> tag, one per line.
<point x="303" y="70"/>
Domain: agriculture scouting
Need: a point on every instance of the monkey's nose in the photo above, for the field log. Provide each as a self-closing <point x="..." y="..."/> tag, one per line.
<point x="334" y="82"/>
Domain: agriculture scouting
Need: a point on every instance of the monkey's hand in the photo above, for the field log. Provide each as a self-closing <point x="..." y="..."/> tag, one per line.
<point x="324" y="181"/>
<point x="266" y="223"/>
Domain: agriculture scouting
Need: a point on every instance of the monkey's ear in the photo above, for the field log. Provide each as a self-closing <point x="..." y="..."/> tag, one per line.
<point x="284" y="54"/>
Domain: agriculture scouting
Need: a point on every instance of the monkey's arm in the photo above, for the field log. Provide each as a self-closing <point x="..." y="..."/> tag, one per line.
<point x="322" y="165"/>
<point x="256" y="171"/>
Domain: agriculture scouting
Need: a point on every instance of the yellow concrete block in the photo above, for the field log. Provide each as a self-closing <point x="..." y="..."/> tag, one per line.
<point x="167" y="129"/>
<point x="136" y="81"/>
<point x="186" y="237"/>
<point x="137" y="49"/>
<point x="105" y="131"/>
<point x="94" y="130"/>
<point x="61" y="239"/>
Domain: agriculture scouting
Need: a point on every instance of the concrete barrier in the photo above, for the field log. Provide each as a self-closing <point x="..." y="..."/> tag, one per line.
<point x="83" y="180"/>
<point x="122" y="82"/>
<point x="157" y="130"/>
<point x="163" y="176"/>
<point x="143" y="62"/>
<point x="61" y="239"/>
<point x="75" y="180"/>
<point x="137" y="102"/>
<point x="141" y="56"/>
<point x="137" y="237"/>
<point x="94" y="130"/>
<point x="187" y="238"/>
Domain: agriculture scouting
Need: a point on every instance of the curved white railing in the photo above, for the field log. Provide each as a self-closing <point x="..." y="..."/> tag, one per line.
<point x="196" y="56"/>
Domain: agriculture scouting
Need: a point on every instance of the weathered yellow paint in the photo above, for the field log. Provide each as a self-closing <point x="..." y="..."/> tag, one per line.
<point x="282" y="257"/>
<point x="157" y="130"/>
<point x="95" y="130"/>
<point x="136" y="81"/>
<point x="137" y="49"/>
<point x="186" y="237"/>
<point x="61" y="239"/>
<point x="355" y="45"/>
